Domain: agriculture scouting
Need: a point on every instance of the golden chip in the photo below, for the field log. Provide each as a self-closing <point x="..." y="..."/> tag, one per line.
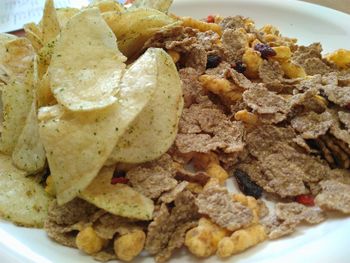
<point x="29" y="154"/>
<point x="161" y="5"/>
<point x="78" y="143"/>
<point x="154" y="130"/>
<point x="17" y="98"/>
<point x="49" y="23"/>
<point x="133" y="28"/>
<point x="22" y="200"/>
<point x="118" y="199"/>
<point x="86" y="65"/>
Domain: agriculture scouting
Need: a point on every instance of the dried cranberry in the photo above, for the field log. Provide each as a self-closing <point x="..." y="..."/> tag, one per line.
<point x="265" y="50"/>
<point x="240" y="67"/>
<point x="119" y="180"/>
<point x="210" y="19"/>
<point x="213" y="61"/>
<point x="246" y="185"/>
<point x="305" y="200"/>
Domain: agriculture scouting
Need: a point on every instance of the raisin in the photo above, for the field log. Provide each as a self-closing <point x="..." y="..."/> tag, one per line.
<point x="213" y="61"/>
<point x="240" y="67"/>
<point x="246" y="185"/>
<point x="348" y="106"/>
<point x="265" y="50"/>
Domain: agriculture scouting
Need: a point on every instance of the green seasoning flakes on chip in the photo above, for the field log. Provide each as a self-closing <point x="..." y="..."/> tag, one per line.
<point x="78" y="143"/>
<point x="118" y="199"/>
<point x="154" y="130"/>
<point x="86" y="65"/>
<point x="49" y="22"/>
<point x="17" y="99"/>
<point x="29" y="153"/>
<point x="22" y="200"/>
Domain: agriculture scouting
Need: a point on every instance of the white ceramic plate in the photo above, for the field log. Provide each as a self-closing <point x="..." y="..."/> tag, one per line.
<point x="327" y="242"/>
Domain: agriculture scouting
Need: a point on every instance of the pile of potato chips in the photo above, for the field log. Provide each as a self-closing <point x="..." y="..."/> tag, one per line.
<point x="73" y="104"/>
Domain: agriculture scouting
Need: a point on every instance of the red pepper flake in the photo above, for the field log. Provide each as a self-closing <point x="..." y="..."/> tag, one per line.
<point x="119" y="180"/>
<point x="308" y="200"/>
<point x="210" y="19"/>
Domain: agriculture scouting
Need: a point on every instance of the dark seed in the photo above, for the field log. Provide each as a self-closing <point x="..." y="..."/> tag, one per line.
<point x="246" y="185"/>
<point x="265" y="50"/>
<point x="213" y="61"/>
<point x="240" y="67"/>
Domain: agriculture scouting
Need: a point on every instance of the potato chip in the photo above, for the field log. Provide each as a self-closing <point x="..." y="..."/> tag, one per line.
<point x="154" y="130"/>
<point x="44" y="95"/>
<point x="22" y="200"/>
<point x="118" y="199"/>
<point x="134" y="28"/>
<point x="65" y="14"/>
<point x="132" y="46"/>
<point x="29" y="154"/>
<point x="86" y="65"/>
<point x="17" y="98"/>
<point x="78" y="143"/>
<point x="4" y="74"/>
<point x="4" y="38"/>
<point x="161" y="5"/>
<point x="34" y="35"/>
<point x="49" y="23"/>
<point x="120" y="22"/>
<point x="44" y="58"/>
<point x="107" y="6"/>
<point x="18" y="58"/>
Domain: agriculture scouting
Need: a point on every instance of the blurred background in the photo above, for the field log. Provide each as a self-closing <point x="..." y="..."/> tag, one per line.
<point x="15" y="13"/>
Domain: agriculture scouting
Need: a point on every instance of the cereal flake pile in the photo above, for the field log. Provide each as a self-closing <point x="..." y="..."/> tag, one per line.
<point x="275" y="113"/>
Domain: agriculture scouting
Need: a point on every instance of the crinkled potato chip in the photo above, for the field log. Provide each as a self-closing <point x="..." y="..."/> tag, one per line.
<point x="86" y="65"/>
<point x="49" y="23"/>
<point x="91" y="136"/>
<point x="133" y="28"/>
<point x="154" y="130"/>
<point x="22" y="200"/>
<point x="118" y="199"/>
<point x="29" y="154"/>
<point x="161" y="5"/>
<point x="17" y="99"/>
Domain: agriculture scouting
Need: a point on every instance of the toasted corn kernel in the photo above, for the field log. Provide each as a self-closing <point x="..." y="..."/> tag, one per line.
<point x="246" y="117"/>
<point x="174" y="55"/>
